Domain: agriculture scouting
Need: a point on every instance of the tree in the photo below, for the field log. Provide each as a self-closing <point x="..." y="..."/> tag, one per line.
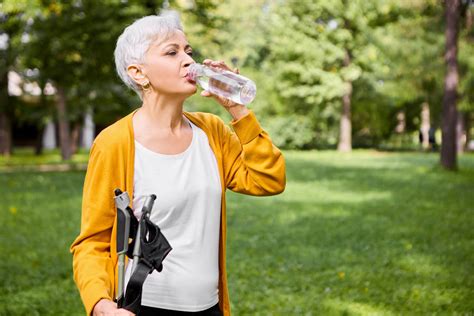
<point x="82" y="70"/>
<point x="320" y="49"/>
<point x="448" y="146"/>
<point x="12" y="18"/>
<point x="465" y="104"/>
<point x="9" y="24"/>
<point x="411" y="48"/>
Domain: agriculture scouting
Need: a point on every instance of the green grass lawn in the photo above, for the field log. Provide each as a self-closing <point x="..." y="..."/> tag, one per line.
<point x="366" y="233"/>
<point x="25" y="157"/>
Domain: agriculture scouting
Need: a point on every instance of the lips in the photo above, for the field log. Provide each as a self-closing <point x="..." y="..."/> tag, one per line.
<point x="188" y="78"/>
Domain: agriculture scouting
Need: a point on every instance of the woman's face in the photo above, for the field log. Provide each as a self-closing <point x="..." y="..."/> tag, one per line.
<point x="166" y="65"/>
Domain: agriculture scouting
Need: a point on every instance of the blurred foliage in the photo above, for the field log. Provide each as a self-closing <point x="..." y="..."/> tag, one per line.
<point x="293" y="131"/>
<point x="293" y="50"/>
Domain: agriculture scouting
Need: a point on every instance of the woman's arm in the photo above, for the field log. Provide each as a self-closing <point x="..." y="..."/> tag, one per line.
<point x="92" y="263"/>
<point x="252" y="164"/>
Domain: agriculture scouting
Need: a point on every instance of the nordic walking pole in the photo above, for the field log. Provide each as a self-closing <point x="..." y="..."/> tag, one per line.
<point x="146" y="210"/>
<point x="122" y="200"/>
<point x="150" y="249"/>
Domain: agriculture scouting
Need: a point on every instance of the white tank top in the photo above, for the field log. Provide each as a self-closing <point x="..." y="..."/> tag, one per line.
<point x="187" y="209"/>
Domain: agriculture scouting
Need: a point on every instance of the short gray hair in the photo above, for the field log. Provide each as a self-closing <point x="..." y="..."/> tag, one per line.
<point x="136" y="39"/>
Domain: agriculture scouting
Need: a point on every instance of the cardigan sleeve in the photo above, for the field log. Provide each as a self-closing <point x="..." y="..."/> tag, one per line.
<point x="252" y="163"/>
<point x="92" y="264"/>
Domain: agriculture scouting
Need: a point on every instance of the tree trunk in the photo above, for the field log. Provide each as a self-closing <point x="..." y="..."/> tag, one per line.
<point x="425" y="126"/>
<point x="5" y="125"/>
<point x="63" y="122"/>
<point x="469" y="19"/>
<point x="5" y="135"/>
<point x="448" y="146"/>
<point x="345" y="130"/>
<point x="39" y="140"/>
<point x="41" y="125"/>
<point x="75" y="135"/>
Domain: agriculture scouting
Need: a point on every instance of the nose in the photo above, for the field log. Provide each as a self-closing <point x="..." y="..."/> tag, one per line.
<point x="188" y="61"/>
<point x="186" y="65"/>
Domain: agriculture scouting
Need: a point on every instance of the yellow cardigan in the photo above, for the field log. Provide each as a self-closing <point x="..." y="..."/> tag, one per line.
<point x="248" y="163"/>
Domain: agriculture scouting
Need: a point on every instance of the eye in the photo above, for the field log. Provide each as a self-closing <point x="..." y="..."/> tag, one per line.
<point x="190" y="53"/>
<point x="172" y="53"/>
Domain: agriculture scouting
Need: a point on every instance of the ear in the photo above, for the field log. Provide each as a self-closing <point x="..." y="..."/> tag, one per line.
<point x="137" y="73"/>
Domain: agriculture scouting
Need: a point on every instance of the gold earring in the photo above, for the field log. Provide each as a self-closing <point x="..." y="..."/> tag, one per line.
<point x="146" y="86"/>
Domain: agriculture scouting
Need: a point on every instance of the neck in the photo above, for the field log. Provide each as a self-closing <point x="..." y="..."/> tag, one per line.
<point x="163" y="112"/>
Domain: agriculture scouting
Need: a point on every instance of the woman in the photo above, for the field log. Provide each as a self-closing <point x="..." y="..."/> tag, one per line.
<point x="188" y="160"/>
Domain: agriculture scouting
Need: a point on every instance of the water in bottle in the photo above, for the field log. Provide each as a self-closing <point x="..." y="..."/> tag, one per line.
<point x="224" y="83"/>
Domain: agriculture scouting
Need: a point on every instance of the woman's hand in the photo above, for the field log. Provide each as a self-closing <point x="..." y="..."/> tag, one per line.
<point x="106" y="307"/>
<point x="235" y="109"/>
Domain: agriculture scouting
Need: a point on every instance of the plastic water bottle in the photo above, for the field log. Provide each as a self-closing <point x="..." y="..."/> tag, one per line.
<point x="224" y="83"/>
